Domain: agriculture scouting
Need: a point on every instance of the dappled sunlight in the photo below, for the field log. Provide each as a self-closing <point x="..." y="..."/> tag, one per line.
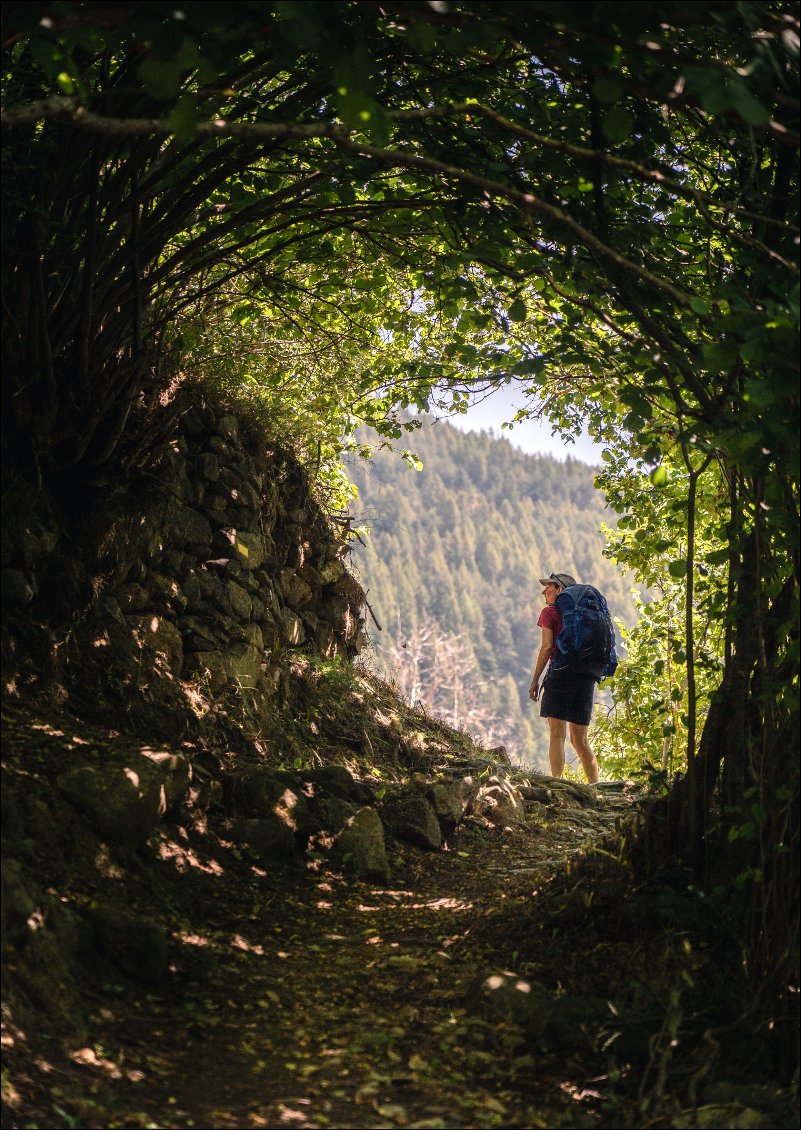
<point x="106" y="865"/>
<point x="186" y="859"/>
<point x="578" y="1093"/>
<point x="240" y="943"/>
<point x="387" y="718"/>
<point x="283" y="808"/>
<point x="11" y="1035"/>
<point x="450" y="904"/>
<point x="289" y="1116"/>
<point x="194" y="940"/>
<point x="95" y="1058"/>
<point x="235" y="943"/>
<point x="198" y="702"/>
<point x="11" y="1096"/>
<point x="442" y="904"/>
<point x="501" y="981"/>
<point x="36" y="921"/>
<point x="55" y="732"/>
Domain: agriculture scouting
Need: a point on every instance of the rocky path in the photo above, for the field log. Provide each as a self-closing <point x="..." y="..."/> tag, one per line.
<point x="313" y="1001"/>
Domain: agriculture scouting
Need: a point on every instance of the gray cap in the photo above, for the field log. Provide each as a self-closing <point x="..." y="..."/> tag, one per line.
<point x="562" y="579"/>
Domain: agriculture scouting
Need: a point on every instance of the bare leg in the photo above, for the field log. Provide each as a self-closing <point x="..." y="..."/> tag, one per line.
<point x="580" y="743"/>
<point x="556" y="746"/>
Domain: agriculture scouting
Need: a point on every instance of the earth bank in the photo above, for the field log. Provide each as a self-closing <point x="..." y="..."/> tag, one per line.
<point x="208" y="972"/>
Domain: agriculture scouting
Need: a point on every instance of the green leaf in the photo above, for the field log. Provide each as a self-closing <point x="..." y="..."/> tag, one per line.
<point x="361" y="112"/>
<point x="412" y="460"/>
<point x="633" y="421"/>
<point x="49" y="56"/>
<point x="634" y="398"/>
<point x="618" y="124"/>
<point x="742" y="446"/>
<point x="378" y="127"/>
<point x="719" y="356"/>
<point x="677" y="569"/>
<point x="760" y="394"/>
<point x="718" y="556"/>
<point x="244" y="314"/>
<point x="659" y="476"/>
<point x="747" y="106"/>
<point x="183" y="118"/>
<point x="607" y="88"/>
<point x="422" y="36"/>
<point x="517" y="312"/>
<point x="699" y="305"/>
<point x="716" y="94"/>
<point x="162" y="80"/>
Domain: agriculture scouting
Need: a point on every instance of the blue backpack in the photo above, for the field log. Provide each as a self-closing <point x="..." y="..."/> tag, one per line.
<point x="586" y="643"/>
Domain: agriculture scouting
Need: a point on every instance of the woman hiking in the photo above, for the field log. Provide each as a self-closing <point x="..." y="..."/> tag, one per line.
<point x="566" y="697"/>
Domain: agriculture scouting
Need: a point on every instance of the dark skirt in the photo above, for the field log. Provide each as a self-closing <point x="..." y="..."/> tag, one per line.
<point x="568" y="697"/>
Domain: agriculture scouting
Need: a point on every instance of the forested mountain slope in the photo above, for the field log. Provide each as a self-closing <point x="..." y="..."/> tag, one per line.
<point x="452" y="568"/>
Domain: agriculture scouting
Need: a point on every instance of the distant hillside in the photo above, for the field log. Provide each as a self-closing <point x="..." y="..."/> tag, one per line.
<point x="452" y="570"/>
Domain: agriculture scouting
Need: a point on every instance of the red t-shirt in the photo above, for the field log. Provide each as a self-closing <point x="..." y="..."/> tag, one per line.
<point x="550" y="617"/>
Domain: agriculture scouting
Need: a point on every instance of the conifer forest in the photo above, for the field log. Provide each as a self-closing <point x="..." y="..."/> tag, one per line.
<point x="451" y="566"/>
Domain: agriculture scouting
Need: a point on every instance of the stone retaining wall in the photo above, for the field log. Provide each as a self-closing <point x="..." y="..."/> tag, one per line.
<point x="238" y="562"/>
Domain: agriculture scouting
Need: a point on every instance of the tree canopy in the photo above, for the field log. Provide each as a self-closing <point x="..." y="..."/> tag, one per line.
<point x="369" y="205"/>
<point x="585" y="198"/>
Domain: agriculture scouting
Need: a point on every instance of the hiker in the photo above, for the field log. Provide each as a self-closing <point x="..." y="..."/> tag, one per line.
<point x="566" y="696"/>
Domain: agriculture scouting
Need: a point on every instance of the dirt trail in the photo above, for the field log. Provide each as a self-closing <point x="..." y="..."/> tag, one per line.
<point x="313" y="1001"/>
